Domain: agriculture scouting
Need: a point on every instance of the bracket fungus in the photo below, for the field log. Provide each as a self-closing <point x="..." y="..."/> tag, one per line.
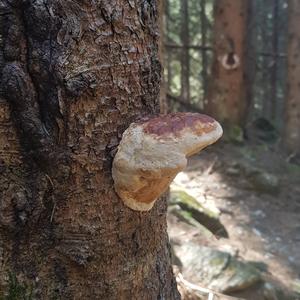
<point x="153" y="150"/>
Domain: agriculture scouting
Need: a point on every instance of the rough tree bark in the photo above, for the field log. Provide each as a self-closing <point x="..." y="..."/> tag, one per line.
<point x="74" y="75"/>
<point x="227" y="99"/>
<point x="292" y="109"/>
<point x="185" y="58"/>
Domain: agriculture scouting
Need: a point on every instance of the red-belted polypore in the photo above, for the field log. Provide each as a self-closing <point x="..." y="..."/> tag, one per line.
<point x="153" y="150"/>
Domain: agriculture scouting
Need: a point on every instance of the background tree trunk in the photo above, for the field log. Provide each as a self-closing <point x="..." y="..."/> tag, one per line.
<point x="274" y="68"/>
<point x="74" y="75"/>
<point x="204" y="58"/>
<point x="292" y="112"/>
<point x="161" y="45"/>
<point x="227" y="100"/>
<point x="185" y="58"/>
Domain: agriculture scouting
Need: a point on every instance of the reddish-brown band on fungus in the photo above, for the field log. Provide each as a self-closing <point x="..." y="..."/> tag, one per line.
<point x="176" y="122"/>
<point x="153" y="150"/>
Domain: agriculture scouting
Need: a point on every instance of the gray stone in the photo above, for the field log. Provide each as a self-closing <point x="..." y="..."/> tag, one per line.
<point x="214" y="269"/>
<point x="273" y="292"/>
<point x="264" y="182"/>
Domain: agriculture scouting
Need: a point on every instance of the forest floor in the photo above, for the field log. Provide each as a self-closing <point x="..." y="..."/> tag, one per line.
<point x="263" y="223"/>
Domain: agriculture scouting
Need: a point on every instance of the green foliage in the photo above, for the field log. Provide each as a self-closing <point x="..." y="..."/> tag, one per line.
<point x="175" y="66"/>
<point x="234" y="134"/>
<point x="17" y="290"/>
<point x="267" y="39"/>
<point x="173" y="55"/>
<point x="266" y="54"/>
<point x="296" y="286"/>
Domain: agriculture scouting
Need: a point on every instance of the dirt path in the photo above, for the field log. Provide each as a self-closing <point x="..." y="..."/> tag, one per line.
<point x="263" y="227"/>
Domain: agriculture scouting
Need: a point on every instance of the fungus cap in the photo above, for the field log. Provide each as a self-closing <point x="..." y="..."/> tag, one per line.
<point x="153" y="150"/>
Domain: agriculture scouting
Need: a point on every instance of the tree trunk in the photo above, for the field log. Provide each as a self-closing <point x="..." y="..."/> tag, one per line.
<point x="185" y="58"/>
<point x="250" y="63"/>
<point x="274" y="69"/>
<point x="292" y="111"/>
<point x="74" y="75"/>
<point x="168" y="51"/>
<point x="227" y="100"/>
<point x="161" y="46"/>
<point x="204" y="59"/>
